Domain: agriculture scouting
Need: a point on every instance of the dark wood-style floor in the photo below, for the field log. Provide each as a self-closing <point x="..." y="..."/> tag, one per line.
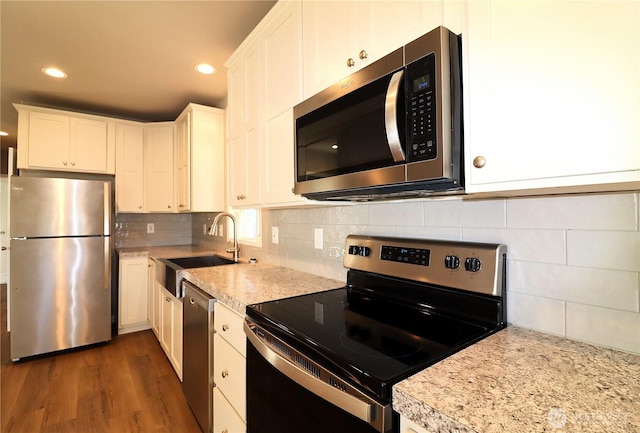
<point x="127" y="385"/>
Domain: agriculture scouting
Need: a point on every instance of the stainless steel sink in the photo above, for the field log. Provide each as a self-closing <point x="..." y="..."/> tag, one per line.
<point x="169" y="272"/>
<point x="200" y="262"/>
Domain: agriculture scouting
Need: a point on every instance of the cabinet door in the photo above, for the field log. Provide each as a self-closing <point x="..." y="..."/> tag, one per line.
<point x="159" y="168"/>
<point x="89" y="147"/>
<point x="329" y="29"/>
<point x="278" y="162"/>
<point x="176" y="336"/>
<point x="182" y="166"/>
<point x="129" y="168"/>
<point x="206" y="160"/>
<point x="153" y="309"/>
<point x="133" y="293"/>
<point x="282" y="60"/>
<point x="244" y="154"/>
<point x="225" y="419"/>
<point x="229" y="369"/>
<point x="552" y="93"/>
<point x="48" y="141"/>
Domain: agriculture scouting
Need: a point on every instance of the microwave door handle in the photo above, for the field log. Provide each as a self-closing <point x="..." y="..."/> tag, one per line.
<point x="391" y="118"/>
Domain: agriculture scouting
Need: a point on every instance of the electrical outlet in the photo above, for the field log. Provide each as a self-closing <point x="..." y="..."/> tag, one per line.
<point x="204" y="228"/>
<point x="220" y="230"/>
<point x="151" y="228"/>
<point x="274" y="235"/>
<point x="317" y="239"/>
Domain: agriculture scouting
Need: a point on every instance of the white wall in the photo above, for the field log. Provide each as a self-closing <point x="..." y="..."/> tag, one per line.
<point x="573" y="261"/>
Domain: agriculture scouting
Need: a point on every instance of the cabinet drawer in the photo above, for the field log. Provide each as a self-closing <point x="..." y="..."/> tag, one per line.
<point x="228" y="324"/>
<point x="225" y="419"/>
<point x="229" y="369"/>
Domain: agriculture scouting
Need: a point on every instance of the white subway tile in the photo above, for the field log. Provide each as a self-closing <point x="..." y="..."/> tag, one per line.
<point x="598" y="287"/>
<point x="603" y="249"/>
<point x="608" y="327"/>
<point x="532" y="312"/>
<point x="543" y="246"/>
<point x="615" y="211"/>
<point x="465" y="213"/>
<point x="396" y="213"/>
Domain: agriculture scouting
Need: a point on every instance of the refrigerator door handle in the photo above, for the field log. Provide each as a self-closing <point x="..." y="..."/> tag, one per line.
<point x="107" y="263"/>
<point x="107" y="209"/>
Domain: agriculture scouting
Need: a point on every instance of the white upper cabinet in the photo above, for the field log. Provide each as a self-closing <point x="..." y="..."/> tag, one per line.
<point x="281" y="42"/>
<point x="243" y="111"/>
<point x="159" y="167"/>
<point x="200" y="159"/>
<point x="51" y="139"/>
<point x="552" y="95"/>
<point x="129" y="167"/>
<point x="340" y="37"/>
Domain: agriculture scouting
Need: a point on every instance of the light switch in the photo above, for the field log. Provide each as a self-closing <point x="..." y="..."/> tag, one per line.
<point x="151" y="228"/>
<point x="274" y="235"/>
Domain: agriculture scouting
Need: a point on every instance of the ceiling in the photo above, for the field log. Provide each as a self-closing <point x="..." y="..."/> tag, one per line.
<point x="128" y="59"/>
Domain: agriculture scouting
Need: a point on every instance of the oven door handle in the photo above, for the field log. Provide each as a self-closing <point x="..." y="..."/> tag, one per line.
<point x="391" y="117"/>
<point x="361" y="406"/>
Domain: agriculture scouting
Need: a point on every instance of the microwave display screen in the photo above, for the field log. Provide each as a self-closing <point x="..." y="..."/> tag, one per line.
<point x="422" y="83"/>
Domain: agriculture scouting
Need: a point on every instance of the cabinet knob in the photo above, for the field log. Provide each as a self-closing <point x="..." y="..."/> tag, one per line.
<point x="73" y="163"/>
<point x="139" y="206"/>
<point x="240" y="197"/>
<point x="363" y="55"/>
<point x="64" y="162"/>
<point x="225" y="327"/>
<point x="225" y="431"/>
<point x="350" y="62"/>
<point x="168" y="206"/>
<point x="225" y="373"/>
<point x="479" y="162"/>
<point x="167" y="299"/>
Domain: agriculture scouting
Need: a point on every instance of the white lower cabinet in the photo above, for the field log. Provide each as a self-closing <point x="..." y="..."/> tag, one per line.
<point x="229" y="370"/>
<point x="408" y="426"/>
<point x="225" y="419"/>
<point x="154" y="299"/>
<point x="171" y="329"/>
<point x="133" y="294"/>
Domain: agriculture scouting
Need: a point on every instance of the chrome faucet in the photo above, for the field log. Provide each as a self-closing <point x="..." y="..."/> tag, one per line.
<point x="235" y="250"/>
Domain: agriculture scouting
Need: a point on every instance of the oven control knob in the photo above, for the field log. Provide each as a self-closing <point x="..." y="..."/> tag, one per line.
<point x="364" y="251"/>
<point x="354" y="250"/>
<point x="451" y="262"/>
<point x="472" y="264"/>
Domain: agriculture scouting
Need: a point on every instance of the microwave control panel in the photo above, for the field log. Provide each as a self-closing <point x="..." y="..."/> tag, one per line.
<point x="421" y="137"/>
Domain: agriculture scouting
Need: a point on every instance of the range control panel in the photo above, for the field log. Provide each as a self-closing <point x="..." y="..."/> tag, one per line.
<point x="470" y="266"/>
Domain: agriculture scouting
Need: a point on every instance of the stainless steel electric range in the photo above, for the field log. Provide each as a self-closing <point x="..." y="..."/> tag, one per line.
<point x="327" y="361"/>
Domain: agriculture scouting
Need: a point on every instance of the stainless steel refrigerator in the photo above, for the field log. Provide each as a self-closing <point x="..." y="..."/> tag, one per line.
<point x="60" y="264"/>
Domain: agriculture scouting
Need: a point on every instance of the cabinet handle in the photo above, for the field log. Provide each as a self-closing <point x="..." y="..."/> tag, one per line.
<point x="139" y="207"/>
<point x="363" y="55"/>
<point x="73" y="163"/>
<point x="167" y="299"/>
<point x="225" y="373"/>
<point x="350" y="62"/>
<point x="64" y="162"/>
<point x="225" y="327"/>
<point x="479" y="162"/>
<point x="168" y="206"/>
<point x="225" y="431"/>
<point x="240" y="197"/>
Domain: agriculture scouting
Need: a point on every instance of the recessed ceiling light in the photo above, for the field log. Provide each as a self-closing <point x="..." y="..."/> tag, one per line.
<point x="205" y="68"/>
<point x="54" y="72"/>
<point x="3" y="133"/>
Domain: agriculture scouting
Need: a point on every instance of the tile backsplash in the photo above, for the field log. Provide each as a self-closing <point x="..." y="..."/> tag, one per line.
<point x="573" y="261"/>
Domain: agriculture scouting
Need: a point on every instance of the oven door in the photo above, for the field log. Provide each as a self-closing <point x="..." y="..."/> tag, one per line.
<point x="290" y="393"/>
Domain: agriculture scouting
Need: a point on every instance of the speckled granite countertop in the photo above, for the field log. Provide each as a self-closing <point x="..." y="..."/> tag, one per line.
<point x="519" y="380"/>
<point x="240" y="285"/>
<point x="243" y="284"/>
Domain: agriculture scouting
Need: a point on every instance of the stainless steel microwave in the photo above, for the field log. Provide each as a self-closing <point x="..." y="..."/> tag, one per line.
<point x="390" y="130"/>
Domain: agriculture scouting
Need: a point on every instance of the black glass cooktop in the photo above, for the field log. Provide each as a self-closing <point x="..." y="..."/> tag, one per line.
<point x="374" y="344"/>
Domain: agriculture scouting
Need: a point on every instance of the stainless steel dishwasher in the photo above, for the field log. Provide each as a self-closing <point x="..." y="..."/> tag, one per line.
<point x="197" y="341"/>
